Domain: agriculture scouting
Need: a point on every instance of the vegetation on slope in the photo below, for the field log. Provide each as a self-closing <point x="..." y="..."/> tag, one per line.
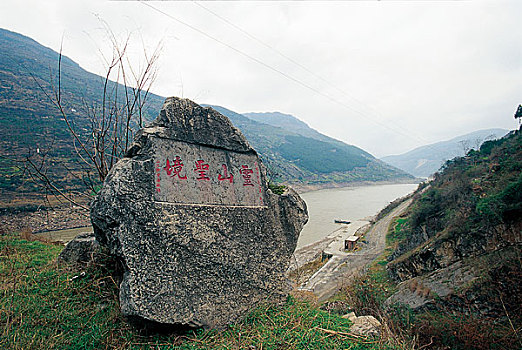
<point x="320" y="157"/>
<point x="474" y="204"/>
<point x="469" y="219"/>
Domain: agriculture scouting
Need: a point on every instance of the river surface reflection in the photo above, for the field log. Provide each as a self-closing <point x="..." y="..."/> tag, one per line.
<point x="347" y="203"/>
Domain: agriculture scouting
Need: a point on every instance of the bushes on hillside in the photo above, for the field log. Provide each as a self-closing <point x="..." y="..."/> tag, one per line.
<point x="503" y="206"/>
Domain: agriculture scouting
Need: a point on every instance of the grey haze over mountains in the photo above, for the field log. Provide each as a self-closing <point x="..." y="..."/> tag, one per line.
<point x="426" y="160"/>
<point x="290" y="123"/>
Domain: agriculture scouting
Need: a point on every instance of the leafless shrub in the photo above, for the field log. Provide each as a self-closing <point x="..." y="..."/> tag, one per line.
<point x="110" y="123"/>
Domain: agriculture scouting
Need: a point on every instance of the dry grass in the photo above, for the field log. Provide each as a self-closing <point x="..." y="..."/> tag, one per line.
<point x="27" y="234"/>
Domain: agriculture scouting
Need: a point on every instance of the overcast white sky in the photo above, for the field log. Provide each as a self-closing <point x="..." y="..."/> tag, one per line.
<point x="394" y="75"/>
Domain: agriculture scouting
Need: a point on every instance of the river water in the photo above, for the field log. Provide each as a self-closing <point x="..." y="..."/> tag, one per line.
<point x="347" y="203"/>
<point x="324" y="206"/>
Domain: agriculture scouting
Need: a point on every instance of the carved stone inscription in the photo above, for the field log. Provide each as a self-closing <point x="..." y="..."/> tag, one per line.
<point x="193" y="174"/>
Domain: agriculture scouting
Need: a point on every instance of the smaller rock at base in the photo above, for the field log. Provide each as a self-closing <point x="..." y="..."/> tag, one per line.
<point x="350" y="316"/>
<point x="82" y="250"/>
<point x="366" y="325"/>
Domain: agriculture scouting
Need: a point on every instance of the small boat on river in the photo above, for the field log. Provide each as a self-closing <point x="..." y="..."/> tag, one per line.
<point x="337" y="221"/>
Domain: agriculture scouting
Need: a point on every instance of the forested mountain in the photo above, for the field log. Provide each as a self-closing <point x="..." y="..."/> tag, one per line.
<point x="30" y="122"/>
<point x="426" y="160"/>
<point x="294" y="152"/>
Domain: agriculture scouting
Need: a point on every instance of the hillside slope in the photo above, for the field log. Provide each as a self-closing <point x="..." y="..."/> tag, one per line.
<point x="460" y="243"/>
<point x="426" y="160"/>
<point x="303" y="155"/>
<point x="289" y="123"/>
<point x="31" y="123"/>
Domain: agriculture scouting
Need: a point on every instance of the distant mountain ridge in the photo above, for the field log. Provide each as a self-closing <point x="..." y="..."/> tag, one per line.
<point x="288" y="122"/>
<point x="29" y="121"/>
<point x="295" y="152"/>
<point x="426" y="160"/>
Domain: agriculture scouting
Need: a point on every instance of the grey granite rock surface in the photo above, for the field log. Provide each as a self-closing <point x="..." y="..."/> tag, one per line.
<point x="82" y="250"/>
<point x="188" y="213"/>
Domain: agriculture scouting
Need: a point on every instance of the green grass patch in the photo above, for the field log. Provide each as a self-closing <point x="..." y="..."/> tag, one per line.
<point x="397" y="232"/>
<point x="277" y="189"/>
<point x="42" y="306"/>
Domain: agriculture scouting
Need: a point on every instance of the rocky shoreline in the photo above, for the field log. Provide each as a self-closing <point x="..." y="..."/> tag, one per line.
<point x="42" y="220"/>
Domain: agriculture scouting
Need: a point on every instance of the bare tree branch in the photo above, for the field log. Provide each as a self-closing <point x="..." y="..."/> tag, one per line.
<point x="110" y="123"/>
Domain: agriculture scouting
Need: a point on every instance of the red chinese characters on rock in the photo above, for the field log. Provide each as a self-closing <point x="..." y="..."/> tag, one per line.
<point x="246" y="172"/>
<point x="226" y="175"/>
<point x="201" y="170"/>
<point x="158" y="177"/>
<point x="175" y="168"/>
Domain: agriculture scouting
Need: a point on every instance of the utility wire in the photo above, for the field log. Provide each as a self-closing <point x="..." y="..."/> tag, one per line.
<point x="299" y="82"/>
<point x="290" y="59"/>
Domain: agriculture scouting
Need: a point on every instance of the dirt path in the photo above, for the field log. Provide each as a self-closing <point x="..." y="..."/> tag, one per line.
<point x="344" y="266"/>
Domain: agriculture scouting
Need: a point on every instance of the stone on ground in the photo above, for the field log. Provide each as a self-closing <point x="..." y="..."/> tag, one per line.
<point x="82" y="250"/>
<point x="365" y="325"/>
<point x="187" y="212"/>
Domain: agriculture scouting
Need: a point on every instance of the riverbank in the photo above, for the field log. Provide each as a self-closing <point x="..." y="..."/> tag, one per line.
<point x="329" y="244"/>
<point x="343" y="266"/>
<point x="44" y="219"/>
<point x="348" y="203"/>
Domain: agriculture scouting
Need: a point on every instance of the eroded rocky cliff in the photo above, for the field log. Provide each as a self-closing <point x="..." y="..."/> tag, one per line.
<point x="461" y="240"/>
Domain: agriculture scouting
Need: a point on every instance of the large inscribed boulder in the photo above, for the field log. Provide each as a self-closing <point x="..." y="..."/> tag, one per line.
<point x="188" y="213"/>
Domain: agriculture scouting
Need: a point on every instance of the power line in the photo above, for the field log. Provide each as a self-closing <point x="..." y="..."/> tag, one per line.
<point x="290" y="59"/>
<point x="295" y="80"/>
